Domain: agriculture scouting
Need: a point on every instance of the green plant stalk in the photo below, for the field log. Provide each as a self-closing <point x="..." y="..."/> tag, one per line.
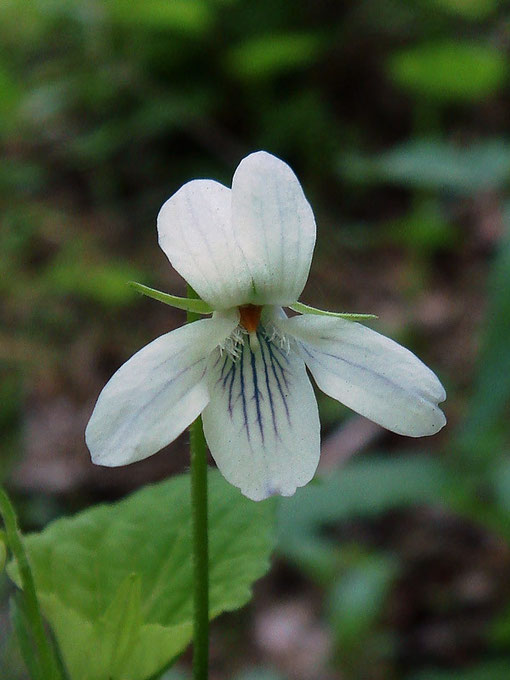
<point x="32" y="609"/>
<point x="21" y="627"/>
<point x="199" y="522"/>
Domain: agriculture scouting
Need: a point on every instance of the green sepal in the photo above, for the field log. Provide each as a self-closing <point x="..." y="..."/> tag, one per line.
<point x="306" y="309"/>
<point x="189" y="305"/>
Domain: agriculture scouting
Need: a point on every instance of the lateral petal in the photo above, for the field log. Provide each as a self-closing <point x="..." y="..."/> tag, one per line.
<point x="370" y="373"/>
<point x="262" y="423"/>
<point x="156" y="394"/>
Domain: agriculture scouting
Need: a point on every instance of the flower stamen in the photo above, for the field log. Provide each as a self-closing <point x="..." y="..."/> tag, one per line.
<point x="234" y="343"/>
<point x="275" y="335"/>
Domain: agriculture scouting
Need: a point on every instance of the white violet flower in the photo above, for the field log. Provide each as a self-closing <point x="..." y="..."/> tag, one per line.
<point x="247" y="251"/>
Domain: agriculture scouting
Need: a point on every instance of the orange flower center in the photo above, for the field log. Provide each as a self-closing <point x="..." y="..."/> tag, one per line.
<point x="250" y="317"/>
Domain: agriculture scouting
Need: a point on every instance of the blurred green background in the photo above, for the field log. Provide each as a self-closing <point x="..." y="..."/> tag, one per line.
<point x="394" y="114"/>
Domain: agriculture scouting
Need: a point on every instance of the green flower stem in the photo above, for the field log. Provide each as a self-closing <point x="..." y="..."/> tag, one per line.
<point x="32" y="609"/>
<point x="200" y="541"/>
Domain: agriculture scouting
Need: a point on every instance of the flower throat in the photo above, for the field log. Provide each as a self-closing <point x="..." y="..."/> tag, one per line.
<point x="250" y="320"/>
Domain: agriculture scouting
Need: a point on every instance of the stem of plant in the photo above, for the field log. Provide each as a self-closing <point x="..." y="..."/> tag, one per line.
<point x="200" y="540"/>
<point x="33" y="610"/>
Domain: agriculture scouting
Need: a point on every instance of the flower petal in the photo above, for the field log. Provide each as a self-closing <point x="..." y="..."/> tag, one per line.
<point x="253" y="244"/>
<point x="156" y="394"/>
<point x="262" y="422"/>
<point x="274" y="226"/>
<point x="370" y="373"/>
<point x="195" y="233"/>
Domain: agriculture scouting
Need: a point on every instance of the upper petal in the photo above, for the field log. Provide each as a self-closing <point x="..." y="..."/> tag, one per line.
<point x="156" y="394"/>
<point x="370" y="373"/>
<point x="274" y="227"/>
<point x="195" y="233"/>
<point x="262" y="423"/>
<point x="253" y="244"/>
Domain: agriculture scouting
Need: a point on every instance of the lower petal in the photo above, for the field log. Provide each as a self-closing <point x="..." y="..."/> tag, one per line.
<point x="155" y="395"/>
<point x="370" y="373"/>
<point x="262" y="422"/>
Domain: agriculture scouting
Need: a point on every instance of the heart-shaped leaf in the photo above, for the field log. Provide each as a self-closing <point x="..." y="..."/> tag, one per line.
<point x="115" y="581"/>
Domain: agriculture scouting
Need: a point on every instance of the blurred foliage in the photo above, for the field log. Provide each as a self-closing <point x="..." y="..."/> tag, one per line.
<point x="449" y="71"/>
<point x="394" y="115"/>
<point x="433" y="165"/>
<point x="486" y="427"/>
<point x="364" y="488"/>
<point x="468" y="9"/>
<point x="497" y="670"/>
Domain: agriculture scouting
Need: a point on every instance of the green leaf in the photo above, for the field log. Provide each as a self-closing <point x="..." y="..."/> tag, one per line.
<point x="472" y="10"/>
<point x="306" y="309"/>
<point x="117" y="579"/>
<point x="33" y="620"/>
<point x="124" y="645"/>
<point x="436" y="165"/>
<point x="450" y="71"/>
<point x="181" y="16"/>
<point x="10" y="100"/>
<point x="273" y="55"/>
<point x="424" y="228"/>
<point x="89" y="278"/>
<point x="189" y="305"/>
